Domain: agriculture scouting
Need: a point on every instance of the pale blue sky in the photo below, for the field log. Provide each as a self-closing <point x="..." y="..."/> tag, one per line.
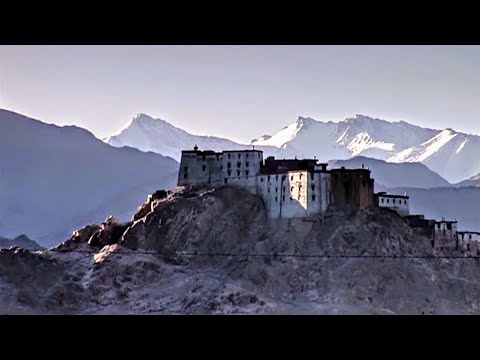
<point x="241" y="92"/>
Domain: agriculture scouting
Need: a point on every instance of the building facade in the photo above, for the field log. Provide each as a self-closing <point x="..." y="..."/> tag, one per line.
<point x="398" y="203"/>
<point x="289" y="187"/>
<point x="445" y="235"/>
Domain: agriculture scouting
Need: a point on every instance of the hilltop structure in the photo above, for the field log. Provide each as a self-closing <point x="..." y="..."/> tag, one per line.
<point x="289" y="187"/>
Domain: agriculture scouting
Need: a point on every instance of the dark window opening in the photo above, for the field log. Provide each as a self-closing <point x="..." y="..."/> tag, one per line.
<point x="276" y="177"/>
<point x="313" y="187"/>
<point x="283" y="189"/>
<point x="238" y="172"/>
<point x="185" y="168"/>
<point x="217" y="156"/>
<point x="261" y="179"/>
<point x="283" y="198"/>
<point x="246" y="155"/>
<point x="388" y="201"/>
<point x="268" y="190"/>
<point x="291" y="177"/>
<point x="204" y="157"/>
<point x="221" y="167"/>
<point x="393" y="200"/>
<point x="276" y="198"/>
<point x="226" y="180"/>
<point x="311" y="175"/>
<point x="246" y="164"/>
<point x="468" y="246"/>
<point x="470" y="237"/>
<point x="276" y="189"/>
<point x="246" y="172"/>
<point x="268" y="178"/>
<point x="204" y="167"/>
<point x="229" y="165"/>
<point x="229" y="172"/>
<point x="313" y="197"/>
<point x="405" y="202"/>
<point x="260" y="164"/>
<point x="185" y="175"/>
<point x="291" y="189"/>
<point x="301" y="176"/>
<point x="382" y="200"/>
<point x="238" y="164"/>
<point x="291" y="198"/>
<point x="239" y="156"/>
<point x="229" y="156"/>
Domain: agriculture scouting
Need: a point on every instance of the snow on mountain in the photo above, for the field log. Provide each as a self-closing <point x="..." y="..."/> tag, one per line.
<point x="452" y="154"/>
<point x="148" y="134"/>
<point x="449" y="153"/>
<point x="388" y="174"/>
<point x="56" y="179"/>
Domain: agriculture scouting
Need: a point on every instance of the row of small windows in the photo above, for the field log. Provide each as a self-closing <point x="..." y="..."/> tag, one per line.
<point x="240" y="155"/>
<point x="393" y="200"/>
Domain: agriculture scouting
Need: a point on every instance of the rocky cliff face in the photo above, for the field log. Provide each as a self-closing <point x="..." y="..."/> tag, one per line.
<point x="205" y="250"/>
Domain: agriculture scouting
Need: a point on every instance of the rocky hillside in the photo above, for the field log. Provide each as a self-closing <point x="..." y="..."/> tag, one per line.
<point x="204" y="251"/>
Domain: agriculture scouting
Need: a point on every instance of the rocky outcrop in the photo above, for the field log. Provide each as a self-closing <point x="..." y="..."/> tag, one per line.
<point x="204" y="250"/>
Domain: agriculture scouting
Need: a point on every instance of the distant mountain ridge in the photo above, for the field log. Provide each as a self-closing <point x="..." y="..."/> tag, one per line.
<point x="21" y="241"/>
<point x="55" y="179"/>
<point x="449" y="153"/>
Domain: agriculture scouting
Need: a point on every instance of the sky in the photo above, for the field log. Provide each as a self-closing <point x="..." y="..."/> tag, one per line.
<point x="241" y="92"/>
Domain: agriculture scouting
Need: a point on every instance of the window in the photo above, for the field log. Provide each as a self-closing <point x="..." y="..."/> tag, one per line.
<point x="301" y="176"/>
<point x="185" y="168"/>
<point x="217" y="156"/>
<point x="229" y="172"/>
<point x="261" y="179"/>
<point x="276" y="189"/>
<point x="313" y="187"/>
<point x="204" y="167"/>
<point x="268" y="190"/>
<point x="246" y="164"/>
<point x="185" y="175"/>
<point x="229" y="165"/>
<point x="470" y="236"/>
<point x="268" y="177"/>
<point x="246" y="172"/>
<point x="382" y="200"/>
<point x="283" y="198"/>
<point x="291" y="177"/>
<point x="238" y="164"/>
<point x="388" y="201"/>
<point x="276" y="177"/>
<point x="229" y="156"/>
<point x="393" y="200"/>
<point x="239" y="156"/>
<point x="246" y="155"/>
<point x="260" y="164"/>
<point x="283" y="189"/>
<point x="276" y="198"/>
<point x="405" y="202"/>
<point x="259" y="156"/>
<point x="300" y="188"/>
<point x="291" y="189"/>
<point x="226" y="180"/>
<point x="449" y="226"/>
<point x="311" y="175"/>
<point x="468" y="246"/>
<point x="238" y="172"/>
<point x="204" y="157"/>
<point x="221" y="167"/>
<point x="291" y="198"/>
<point x="313" y="197"/>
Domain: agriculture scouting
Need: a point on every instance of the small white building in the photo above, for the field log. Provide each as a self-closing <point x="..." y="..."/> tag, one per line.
<point x="398" y="203"/>
<point x="468" y="240"/>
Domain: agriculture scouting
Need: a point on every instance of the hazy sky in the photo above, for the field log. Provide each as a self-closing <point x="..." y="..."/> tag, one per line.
<point x="241" y="92"/>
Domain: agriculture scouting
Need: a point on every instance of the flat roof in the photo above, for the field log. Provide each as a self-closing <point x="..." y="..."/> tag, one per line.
<point x="384" y="194"/>
<point x="446" y="221"/>
<point x="469" y="232"/>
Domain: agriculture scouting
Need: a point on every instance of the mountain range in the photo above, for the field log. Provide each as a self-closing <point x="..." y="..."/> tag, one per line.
<point x="451" y="154"/>
<point x="55" y="179"/>
<point x="21" y="241"/>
